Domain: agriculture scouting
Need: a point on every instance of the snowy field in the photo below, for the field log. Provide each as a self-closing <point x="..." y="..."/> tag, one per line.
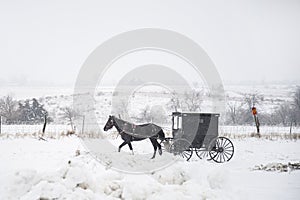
<point x="62" y="168"/>
<point x="53" y="169"/>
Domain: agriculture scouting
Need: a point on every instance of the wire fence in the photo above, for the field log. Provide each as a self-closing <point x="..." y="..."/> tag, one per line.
<point x="96" y="131"/>
<point x="252" y="129"/>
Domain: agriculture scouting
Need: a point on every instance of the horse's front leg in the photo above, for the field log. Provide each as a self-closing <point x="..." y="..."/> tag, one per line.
<point x="124" y="143"/>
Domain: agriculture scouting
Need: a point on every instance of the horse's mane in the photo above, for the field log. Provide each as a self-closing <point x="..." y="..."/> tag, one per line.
<point x="121" y="122"/>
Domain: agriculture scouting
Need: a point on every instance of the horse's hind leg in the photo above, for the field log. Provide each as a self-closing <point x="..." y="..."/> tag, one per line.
<point x="124" y="143"/>
<point x="130" y="147"/>
<point x="154" y="146"/>
<point x="159" y="147"/>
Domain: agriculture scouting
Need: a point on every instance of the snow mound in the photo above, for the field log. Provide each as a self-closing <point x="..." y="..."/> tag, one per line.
<point x="82" y="177"/>
<point x="218" y="179"/>
<point x="171" y="176"/>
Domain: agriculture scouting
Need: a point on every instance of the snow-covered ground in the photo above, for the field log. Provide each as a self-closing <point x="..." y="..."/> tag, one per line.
<point x="33" y="169"/>
<point x="63" y="168"/>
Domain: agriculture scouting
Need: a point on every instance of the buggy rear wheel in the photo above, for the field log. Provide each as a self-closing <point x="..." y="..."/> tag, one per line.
<point x="221" y="149"/>
<point x="202" y="153"/>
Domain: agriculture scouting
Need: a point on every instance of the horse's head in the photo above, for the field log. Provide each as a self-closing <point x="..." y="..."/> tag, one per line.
<point x="109" y="124"/>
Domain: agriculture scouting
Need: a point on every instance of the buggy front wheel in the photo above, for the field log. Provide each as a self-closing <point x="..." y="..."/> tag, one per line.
<point x="182" y="147"/>
<point x="187" y="154"/>
<point x="221" y="149"/>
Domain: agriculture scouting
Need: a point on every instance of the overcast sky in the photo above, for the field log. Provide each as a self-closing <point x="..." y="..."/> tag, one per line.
<point x="46" y="42"/>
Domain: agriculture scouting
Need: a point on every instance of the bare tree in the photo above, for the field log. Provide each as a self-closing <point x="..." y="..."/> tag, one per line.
<point x="232" y="112"/>
<point x="158" y="114"/>
<point x="155" y="114"/>
<point x="121" y="107"/>
<point x="296" y="105"/>
<point x="252" y="99"/>
<point x="192" y="100"/>
<point x="296" y="98"/>
<point x="294" y="111"/>
<point x="8" y="108"/>
<point x="175" y="103"/>
<point x="69" y="114"/>
<point x="293" y="118"/>
<point x="145" y="114"/>
<point x="282" y="114"/>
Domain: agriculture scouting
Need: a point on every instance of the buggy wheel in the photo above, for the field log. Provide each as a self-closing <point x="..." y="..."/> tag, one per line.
<point x="165" y="144"/>
<point x="182" y="147"/>
<point x="187" y="154"/>
<point x="202" y="153"/>
<point x="221" y="149"/>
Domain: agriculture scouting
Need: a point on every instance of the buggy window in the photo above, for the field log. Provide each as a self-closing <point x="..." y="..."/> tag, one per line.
<point x="177" y="122"/>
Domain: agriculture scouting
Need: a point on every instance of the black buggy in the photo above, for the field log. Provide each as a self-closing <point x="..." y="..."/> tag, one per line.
<point x="198" y="132"/>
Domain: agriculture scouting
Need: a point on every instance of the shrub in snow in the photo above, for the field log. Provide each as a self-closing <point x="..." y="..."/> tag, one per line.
<point x="278" y="167"/>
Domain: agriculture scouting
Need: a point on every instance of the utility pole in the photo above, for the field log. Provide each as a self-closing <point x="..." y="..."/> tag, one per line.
<point x="254" y="112"/>
<point x="0" y="123"/>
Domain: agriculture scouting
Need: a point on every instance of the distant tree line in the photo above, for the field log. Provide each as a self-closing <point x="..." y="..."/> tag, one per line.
<point x="286" y="114"/>
<point x="238" y="112"/>
<point x="29" y="111"/>
<point x="190" y="101"/>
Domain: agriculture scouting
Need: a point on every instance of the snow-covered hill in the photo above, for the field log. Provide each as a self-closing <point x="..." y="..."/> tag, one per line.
<point x="273" y="94"/>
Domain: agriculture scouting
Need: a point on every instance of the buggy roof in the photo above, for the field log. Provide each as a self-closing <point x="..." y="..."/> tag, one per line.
<point x="194" y="113"/>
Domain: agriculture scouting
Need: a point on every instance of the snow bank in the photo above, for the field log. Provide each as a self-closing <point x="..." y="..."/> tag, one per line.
<point x="34" y="169"/>
<point x="84" y="178"/>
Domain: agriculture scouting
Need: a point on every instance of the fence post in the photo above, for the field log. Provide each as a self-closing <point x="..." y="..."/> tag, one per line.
<point x="256" y="124"/>
<point x="82" y="124"/>
<point x="45" y="124"/>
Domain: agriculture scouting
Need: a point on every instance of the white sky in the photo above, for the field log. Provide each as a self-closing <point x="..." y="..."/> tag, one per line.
<point x="46" y="42"/>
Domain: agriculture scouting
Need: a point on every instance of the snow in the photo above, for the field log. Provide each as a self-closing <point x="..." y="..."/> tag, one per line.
<point x="70" y="168"/>
<point x="32" y="169"/>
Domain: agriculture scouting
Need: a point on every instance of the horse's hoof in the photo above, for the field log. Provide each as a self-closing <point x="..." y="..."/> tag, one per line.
<point x="160" y="152"/>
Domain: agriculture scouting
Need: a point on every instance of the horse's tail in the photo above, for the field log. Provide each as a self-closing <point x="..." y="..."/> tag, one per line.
<point x="161" y="135"/>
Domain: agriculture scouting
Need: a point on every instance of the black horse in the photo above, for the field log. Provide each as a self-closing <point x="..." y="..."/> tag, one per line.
<point x="130" y="132"/>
